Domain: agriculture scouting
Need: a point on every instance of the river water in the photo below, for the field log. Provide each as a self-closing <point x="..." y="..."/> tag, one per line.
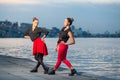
<point x="99" y="56"/>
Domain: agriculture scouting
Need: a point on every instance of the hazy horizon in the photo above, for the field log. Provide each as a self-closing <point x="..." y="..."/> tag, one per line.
<point x="93" y="15"/>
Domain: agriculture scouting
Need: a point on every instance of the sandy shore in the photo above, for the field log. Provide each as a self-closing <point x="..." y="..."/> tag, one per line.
<point x="18" y="69"/>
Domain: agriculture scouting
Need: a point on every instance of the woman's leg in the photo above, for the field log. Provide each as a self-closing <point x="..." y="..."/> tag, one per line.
<point x="59" y="60"/>
<point x="73" y="71"/>
<point x="40" y="60"/>
<point x="65" y="61"/>
<point x="38" y="64"/>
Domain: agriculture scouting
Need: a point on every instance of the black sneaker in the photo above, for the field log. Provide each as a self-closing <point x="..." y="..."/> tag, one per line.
<point x="51" y="72"/>
<point x="73" y="71"/>
<point x="34" y="70"/>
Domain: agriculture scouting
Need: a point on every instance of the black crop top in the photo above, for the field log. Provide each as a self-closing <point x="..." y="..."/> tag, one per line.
<point x="63" y="35"/>
<point x="36" y="33"/>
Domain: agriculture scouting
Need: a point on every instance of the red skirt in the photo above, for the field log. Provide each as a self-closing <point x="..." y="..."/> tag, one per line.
<point x="39" y="47"/>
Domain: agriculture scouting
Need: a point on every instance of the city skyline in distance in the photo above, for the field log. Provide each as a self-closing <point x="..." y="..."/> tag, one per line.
<point x="93" y="15"/>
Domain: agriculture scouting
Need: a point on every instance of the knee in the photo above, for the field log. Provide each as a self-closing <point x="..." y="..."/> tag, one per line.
<point x="40" y="60"/>
<point x="36" y="58"/>
<point x="65" y="60"/>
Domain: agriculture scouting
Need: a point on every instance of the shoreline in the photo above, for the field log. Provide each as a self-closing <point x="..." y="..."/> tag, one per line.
<point x="12" y="68"/>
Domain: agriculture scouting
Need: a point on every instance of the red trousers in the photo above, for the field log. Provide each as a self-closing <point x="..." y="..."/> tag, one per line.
<point x="62" y="53"/>
<point x="39" y="47"/>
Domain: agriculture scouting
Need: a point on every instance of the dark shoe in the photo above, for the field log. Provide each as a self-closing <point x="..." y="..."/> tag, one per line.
<point x="34" y="70"/>
<point x="46" y="71"/>
<point x="73" y="71"/>
<point x="51" y="72"/>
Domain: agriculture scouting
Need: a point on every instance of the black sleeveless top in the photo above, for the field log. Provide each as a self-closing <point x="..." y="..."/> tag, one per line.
<point x="63" y="35"/>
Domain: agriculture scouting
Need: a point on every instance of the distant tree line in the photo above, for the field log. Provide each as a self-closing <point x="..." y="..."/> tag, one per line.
<point x="13" y="30"/>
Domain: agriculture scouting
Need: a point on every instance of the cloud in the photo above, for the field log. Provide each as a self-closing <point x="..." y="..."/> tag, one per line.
<point x="86" y="1"/>
<point x="56" y="1"/>
<point x="22" y="1"/>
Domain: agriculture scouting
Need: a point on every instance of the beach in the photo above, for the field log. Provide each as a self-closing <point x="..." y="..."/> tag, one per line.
<point x="93" y="58"/>
<point x="12" y="68"/>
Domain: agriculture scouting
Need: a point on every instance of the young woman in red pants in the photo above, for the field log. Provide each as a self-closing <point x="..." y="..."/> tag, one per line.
<point x="39" y="46"/>
<point x="62" y="47"/>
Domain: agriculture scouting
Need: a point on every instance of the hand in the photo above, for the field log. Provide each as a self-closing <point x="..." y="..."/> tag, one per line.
<point x="56" y="48"/>
<point x="63" y="42"/>
<point x="26" y="37"/>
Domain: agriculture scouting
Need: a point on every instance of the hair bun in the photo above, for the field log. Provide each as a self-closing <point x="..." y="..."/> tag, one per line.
<point x="72" y="19"/>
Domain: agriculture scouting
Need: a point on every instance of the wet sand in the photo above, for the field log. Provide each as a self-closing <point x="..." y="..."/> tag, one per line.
<point x="19" y="69"/>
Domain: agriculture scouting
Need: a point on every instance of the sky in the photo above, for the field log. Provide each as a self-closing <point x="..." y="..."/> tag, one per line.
<point x="97" y="16"/>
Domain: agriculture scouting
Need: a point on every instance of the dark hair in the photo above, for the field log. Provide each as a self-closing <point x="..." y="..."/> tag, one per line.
<point x="70" y="20"/>
<point x="34" y="18"/>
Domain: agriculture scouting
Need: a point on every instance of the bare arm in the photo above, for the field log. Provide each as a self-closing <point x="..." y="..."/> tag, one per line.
<point x="72" y="40"/>
<point x="44" y="36"/>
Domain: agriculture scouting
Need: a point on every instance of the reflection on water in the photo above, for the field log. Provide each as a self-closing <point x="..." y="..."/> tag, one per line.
<point x="99" y="56"/>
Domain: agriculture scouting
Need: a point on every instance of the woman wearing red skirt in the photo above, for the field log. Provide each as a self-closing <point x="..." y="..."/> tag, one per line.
<point x="62" y="47"/>
<point x="39" y="46"/>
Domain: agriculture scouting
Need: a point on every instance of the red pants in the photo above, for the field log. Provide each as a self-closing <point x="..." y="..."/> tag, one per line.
<point x="62" y="52"/>
<point x="39" y="47"/>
